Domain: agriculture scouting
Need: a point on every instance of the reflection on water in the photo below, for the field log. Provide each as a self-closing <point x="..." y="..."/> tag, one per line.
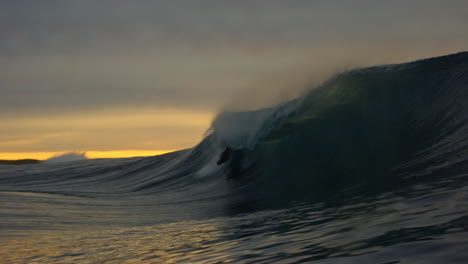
<point x="390" y="228"/>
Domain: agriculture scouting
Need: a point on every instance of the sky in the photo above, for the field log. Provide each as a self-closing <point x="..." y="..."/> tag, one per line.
<point x="118" y="78"/>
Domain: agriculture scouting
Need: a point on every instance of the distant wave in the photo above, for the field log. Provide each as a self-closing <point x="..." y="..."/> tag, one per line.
<point x="70" y="156"/>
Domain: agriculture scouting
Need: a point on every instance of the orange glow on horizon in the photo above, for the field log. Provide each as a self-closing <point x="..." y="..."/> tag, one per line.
<point x="105" y="133"/>
<point x="89" y="154"/>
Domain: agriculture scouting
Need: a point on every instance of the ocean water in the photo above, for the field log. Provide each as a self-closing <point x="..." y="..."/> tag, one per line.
<point x="369" y="167"/>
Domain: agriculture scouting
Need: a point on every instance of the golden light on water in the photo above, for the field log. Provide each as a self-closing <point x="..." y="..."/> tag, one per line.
<point x="165" y="243"/>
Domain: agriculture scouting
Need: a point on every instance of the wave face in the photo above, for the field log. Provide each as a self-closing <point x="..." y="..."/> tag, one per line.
<point x="372" y="161"/>
<point x="375" y="126"/>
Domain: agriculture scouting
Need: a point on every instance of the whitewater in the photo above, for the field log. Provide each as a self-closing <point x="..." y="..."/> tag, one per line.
<point x="369" y="167"/>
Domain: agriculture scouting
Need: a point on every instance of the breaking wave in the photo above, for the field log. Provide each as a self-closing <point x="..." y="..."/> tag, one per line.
<point x="360" y="141"/>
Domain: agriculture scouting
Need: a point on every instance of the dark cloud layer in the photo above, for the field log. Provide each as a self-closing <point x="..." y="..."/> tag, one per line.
<point x="64" y="26"/>
<point x="59" y="55"/>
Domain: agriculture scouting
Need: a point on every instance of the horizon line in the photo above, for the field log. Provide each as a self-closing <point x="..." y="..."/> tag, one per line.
<point x="90" y="154"/>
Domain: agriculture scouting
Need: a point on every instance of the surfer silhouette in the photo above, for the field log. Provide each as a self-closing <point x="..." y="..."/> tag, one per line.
<point x="225" y="156"/>
<point x="235" y="164"/>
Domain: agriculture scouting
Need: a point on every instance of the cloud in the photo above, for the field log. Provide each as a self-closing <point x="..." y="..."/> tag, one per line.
<point x="31" y="27"/>
<point x="113" y="129"/>
<point x="84" y="57"/>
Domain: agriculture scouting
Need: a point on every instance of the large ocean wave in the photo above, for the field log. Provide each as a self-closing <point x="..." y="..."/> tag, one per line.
<point x="360" y="135"/>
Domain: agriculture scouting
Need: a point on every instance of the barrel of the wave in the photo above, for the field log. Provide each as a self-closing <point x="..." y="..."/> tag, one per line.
<point x="237" y="134"/>
<point x="364" y="127"/>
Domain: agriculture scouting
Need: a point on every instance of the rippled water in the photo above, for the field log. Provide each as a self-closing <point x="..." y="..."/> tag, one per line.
<point x="424" y="224"/>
